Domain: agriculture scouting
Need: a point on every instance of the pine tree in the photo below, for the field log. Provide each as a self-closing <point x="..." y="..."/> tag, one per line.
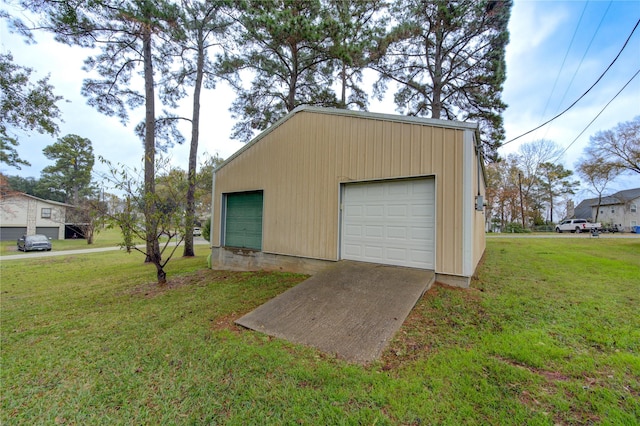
<point x="447" y="59"/>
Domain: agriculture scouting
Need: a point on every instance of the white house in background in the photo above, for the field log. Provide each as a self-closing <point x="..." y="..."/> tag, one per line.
<point x="621" y="208"/>
<point x="25" y="214"/>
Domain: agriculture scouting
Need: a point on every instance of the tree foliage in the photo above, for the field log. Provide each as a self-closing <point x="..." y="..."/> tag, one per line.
<point x="609" y="154"/>
<point x="357" y="26"/>
<point x="132" y="214"/>
<point x="533" y="174"/>
<point x="619" y="147"/>
<point x="555" y="181"/>
<point x="24" y="105"/>
<point x="447" y="59"/>
<point x="71" y="172"/>
<point x="204" y="184"/>
<point x="125" y="32"/>
<point x="283" y="44"/>
<point x="597" y="174"/>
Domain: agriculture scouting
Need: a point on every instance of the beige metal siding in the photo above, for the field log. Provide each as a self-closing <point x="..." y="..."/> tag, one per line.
<point x="301" y="164"/>
<point x="479" y="236"/>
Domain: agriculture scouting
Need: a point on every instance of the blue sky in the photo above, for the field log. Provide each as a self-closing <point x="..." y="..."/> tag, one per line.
<point x="557" y="50"/>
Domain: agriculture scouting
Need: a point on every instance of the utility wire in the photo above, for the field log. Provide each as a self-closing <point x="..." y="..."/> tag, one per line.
<point x="564" y="60"/>
<point x="596" y="117"/>
<point x="584" y="55"/>
<point x="581" y="96"/>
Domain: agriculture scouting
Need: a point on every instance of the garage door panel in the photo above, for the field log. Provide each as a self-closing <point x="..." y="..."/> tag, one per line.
<point x="353" y="250"/>
<point x="354" y="211"/>
<point x="374" y="231"/>
<point x="423" y="210"/>
<point x="8" y="233"/>
<point x="396" y="190"/>
<point x="374" y="211"/>
<point x="373" y="192"/>
<point x="418" y="255"/>
<point x="353" y="231"/>
<point x="397" y="211"/>
<point x="374" y="252"/>
<point x="394" y="221"/>
<point x="49" y="231"/>
<point x="397" y="254"/>
<point x="397" y="232"/>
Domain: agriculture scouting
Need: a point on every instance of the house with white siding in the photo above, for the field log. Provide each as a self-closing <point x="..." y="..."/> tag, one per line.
<point x="22" y="214"/>
<point x="621" y="209"/>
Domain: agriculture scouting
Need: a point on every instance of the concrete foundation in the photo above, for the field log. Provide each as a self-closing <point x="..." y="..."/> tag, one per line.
<point x="252" y="260"/>
<point x="454" y="280"/>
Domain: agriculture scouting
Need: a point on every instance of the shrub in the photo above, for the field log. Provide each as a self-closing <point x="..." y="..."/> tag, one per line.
<point x="515" y="228"/>
<point x="206" y="229"/>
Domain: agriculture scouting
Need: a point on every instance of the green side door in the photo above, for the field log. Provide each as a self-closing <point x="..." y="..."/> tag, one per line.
<point x="243" y="220"/>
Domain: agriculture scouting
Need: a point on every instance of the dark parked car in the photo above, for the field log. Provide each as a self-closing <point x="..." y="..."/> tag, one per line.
<point x="34" y="242"/>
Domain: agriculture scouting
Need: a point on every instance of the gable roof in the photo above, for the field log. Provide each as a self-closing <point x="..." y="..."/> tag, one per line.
<point x="583" y="210"/>
<point x="33" y="197"/>
<point x="449" y="124"/>
<point x="627" y="194"/>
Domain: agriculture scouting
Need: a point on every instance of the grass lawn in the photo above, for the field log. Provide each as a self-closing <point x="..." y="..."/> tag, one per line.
<point x="104" y="238"/>
<point x="549" y="334"/>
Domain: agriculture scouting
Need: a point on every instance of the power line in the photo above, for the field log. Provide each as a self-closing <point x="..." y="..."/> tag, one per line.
<point x="598" y="115"/>
<point x="564" y="60"/>
<point x="584" y="94"/>
<point x="585" y="52"/>
<point x="584" y="55"/>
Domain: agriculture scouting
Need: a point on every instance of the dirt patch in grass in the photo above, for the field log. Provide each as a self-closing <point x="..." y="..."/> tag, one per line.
<point x="207" y="276"/>
<point x="197" y="278"/>
<point x="552" y="376"/>
<point x="227" y="322"/>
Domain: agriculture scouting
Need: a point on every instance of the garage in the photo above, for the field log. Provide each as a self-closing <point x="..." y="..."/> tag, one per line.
<point x="390" y="222"/>
<point x="243" y="220"/>
<point x="49" y="231"/>
<point x="8" y="233"/>
<point x="356" y="186"/>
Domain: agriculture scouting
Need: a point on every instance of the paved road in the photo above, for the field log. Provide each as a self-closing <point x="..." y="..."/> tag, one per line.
<point x="201" y="241"/>
<point x="35" y="254"/>
<point x="563" y="235"/>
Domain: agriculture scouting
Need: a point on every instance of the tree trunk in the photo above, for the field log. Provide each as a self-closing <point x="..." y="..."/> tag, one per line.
<point x="193" y="153"/>
<point x="151" y="225"/>
<point x="598" y="208"/>
<point x="343" y="93"/>
<point x="161" y="274"/>
<point x="293" y="86"/>
<point x="436" y="96"/>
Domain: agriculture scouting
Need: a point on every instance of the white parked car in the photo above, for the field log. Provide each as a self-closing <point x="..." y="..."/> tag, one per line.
<point x="577" y="226"/>
<point x="197" y="231"/>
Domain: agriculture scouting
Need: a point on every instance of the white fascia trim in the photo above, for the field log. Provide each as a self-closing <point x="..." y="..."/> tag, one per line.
<point x="468" y="202"/>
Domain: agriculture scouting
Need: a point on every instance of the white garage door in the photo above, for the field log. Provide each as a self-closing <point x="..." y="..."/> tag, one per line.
<point x="390" y="222"/>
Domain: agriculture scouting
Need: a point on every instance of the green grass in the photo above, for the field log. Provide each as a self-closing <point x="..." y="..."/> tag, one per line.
<point x="549" y="334"/>
<point x="104" y="238"/>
